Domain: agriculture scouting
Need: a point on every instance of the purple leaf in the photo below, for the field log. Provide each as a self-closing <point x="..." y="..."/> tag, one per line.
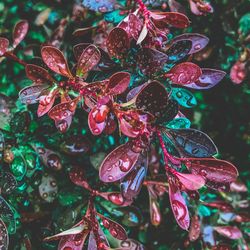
<point x="100" y="6"/>
<point x="134" y="26"/>
<point x="19" y="32"/>
<point x="118" y="163"/>
<point x="191" y="181"/>
<point x="229" y="232"/>
<point x="116" y="198"/>
<point x="4" y="44"/>
<point x="178" y="50"/>
<point x="78" y="177"/>
<point x="195" y="228"/>
<point x="130" y="244"/>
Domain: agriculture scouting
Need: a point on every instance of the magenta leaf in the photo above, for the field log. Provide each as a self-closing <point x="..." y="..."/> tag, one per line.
<point x="38" y="74"/>
<point x="191" y="181"/>
<point x="213" y="170"/>
<point x="175" y="6"/>
<point x="221" y="205"/>
<point x="115" y="229"/>
<point x="208" y="79"/>
<point x="238" y="72"/>
<point x="130" y="244"/>
<point x="92" y="241"/>
<point x="117" y="43"/>
<point x="19" y="32"/>
<point x="192" y="142"/>
<point x="116" y="198"/>
<point x="78" y="177"/>
<point x="184" y="73"/>
<point x="4" y="44"/>
<point x="7" y="182"/>
<point x="134" y="26"/>
<point x="4" y="239"/>
<point x="133" y="92"/>
<point x="99" y="6"/>
<point x="178" y="205"/>
<point x="229" y="232"/>
<point x="178" y="50"/>
<point x="150" y="61"/>
<point x="30" y="94"/>
<point x="118" y="83"/>
<point x="118" y="163"/>
<point x="195" y="228"/>
<point x="55" y="60"/>
<point x="198" y="41"/>
<point x="154" y="208"/>
<point x="88" y="59"/>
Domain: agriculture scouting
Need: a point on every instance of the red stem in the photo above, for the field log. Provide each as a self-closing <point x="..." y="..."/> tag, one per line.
<point x="144" y="10"/>
<point x="13" y="57"/>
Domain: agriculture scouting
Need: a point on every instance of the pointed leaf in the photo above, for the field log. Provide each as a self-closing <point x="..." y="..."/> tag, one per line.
<point x="116" y="198"/>
<point x="4" y="237"/>
<point x="191" y="181"/>
<point x="143" y="34"/>
<point x="79" y="48"/>
<point x="195" y="229"/>
<point x="88" y="59"/>
<point x="117" y="43"/>
<point x="38" y="74"/>
<point x="151" y="61"/>
<point x="118" y="163"/>
<point x="30" y="94"/>
<point x="178" y="123"/>
<point x="134" y="26"/>
<point x="178" y="50"/>
<point x="229" y="232"/>
<point x="118" y="83"/>
<point x="19" y="32"/>
<point x="4" y="45"/>
<point x="178" y="205"/>
<point x="55" y="60"/>
<point x="78" y="177"/>
<point x="7" y="183"/>
<point x="184" y="73"/>
<point x="192" y="142"/>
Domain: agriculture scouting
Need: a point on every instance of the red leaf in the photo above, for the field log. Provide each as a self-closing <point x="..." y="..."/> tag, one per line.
<point x="134" y="26"/>
<point x="55" y="60"/>
<point x="30" y="94"/>
<point x="229" y="232"/>
<point x="78" y="49"/>
<point x="38" y="74"/>
<point x="75" y="241"/>
<point x="221" y="205"/>
<point x="155" y="213"/>
<point x="118" y="163"/>
<point x="213" y="170"/>
<point x="175" y="19"/>
<point x="175" y="6"/>
<point x="88" y="59"/>
<point x="4" y="44"/>
<point x="116" y="198"/>
<point x="117" y="43"/>
<point x="115" y="229"/>
<point x="178" y="205"/>
<point x="19" y="32"/>
<point x="184" y="73"/>
<point x="118" y="83"/>
<point x="238" y="72"/>
<point x="195" y="229"/>
<point x="97" y="119"/>
<point x="150" y="61"/>
<point x="191" y="181"/>
<point x="78" y="177"/>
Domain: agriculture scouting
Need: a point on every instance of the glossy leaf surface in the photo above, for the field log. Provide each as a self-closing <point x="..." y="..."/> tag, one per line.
<point x="78" y="177"/>
<point x="184" y="97"/>
<point x="191" y="181"/>
<point x="195" y="228"/>
<point x="4" y="44"/>
<point x="19" y="32"/>
<point x="178" y="50"/>
<point x="230" y="232"/>
<point x="118" y="83"/>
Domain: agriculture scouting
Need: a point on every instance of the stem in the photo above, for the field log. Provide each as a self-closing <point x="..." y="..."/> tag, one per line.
<point x="13" y="57"/>
<point x="144" y="10"/>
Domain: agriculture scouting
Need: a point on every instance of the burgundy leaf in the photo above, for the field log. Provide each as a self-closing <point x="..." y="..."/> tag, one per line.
<point x="79" y="48"/>
<point x="213" y="170"/>
<point x="30" y="94"/>
<point x="19" y="32"/>
<point x="175" y="6"/>
<point x="55" y="60"/>
<point x="142" y="34"/>
<point x="116" y="198"/>
<point x="134" y="26"/>
<point x="99" y="6"/>
<point x="192" y="142"/>
<point x="4" y="239"/>
<point x="178" y="205"/>
<point x="199" y="42"/>
<point x="184" y="73"/>
<point x="78" y="177"/>
<point x="118" y="163"/>
<point x="130" y="244"/>
<point x="115" y="229"/>
<point x="208" y="79"/>
<point x="92" y="241"/>
<point x="97" y="119"/>
<point x="238" y="72"/>
<point x="154" y="208"/>
<point x="133" y="92"/>
<point x="150" y="61"/>
<point x="88" y="59"/>
<point x="191" y="181"/>
<point x="4" y="44"/>
<point x="118" y="83"/>
<point x="221" y="205"/>
<point x="117" y="43"/>
<point x="229" y="232"/>
<point x="195" y="228"/>
<point x="178" y="50"/>
<point x="38" y="74"/>
<point x="64" y="124"/>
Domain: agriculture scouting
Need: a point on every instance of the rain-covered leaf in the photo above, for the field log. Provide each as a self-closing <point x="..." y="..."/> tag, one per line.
<point x="78" y="177"/>
<point x="118" y="83"/>
<point x="99" y="6"/>
<point x="180" y="122"/>
<point x="184" y="97"/>
<point x="178" y="50"/>
<point x="19" y="32"/>
<point x="7" y="182"/>
<point x="191" y="181"/>
<point x="192" y="142"/>
<point x="116" y="198"/>
<point x="118" y="163"/>
<point x="55" y="60"/>
<point x="142" y="34"/>
<point x="238" y="72"/>
<point x="134" y="26"/>
<point x="130" y="244"/>
<point x="230" y="232"/>
<point x="195" y="228"/>
<point x="4" y="44"/>
<point x="4" y="237"/>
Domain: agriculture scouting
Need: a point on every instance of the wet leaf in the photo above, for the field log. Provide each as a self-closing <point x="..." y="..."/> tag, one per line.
<point x="195" y="228"/>
<point x="4" y="44"/>
<point x="178" y="123"/>
<point x="130" y="244"/>
<point x="92" y="242"/>
<point x="4" y="239"/>
<point x="184" y="97"/>
<point x="117" y="43"/>
<point x="238" y="72"/>
<point x="178" y="205"/>
<point x="118" y="163"/>
<point x="55" y="60"/>
<point x="191" y="181"/>
<point x="178" y="50"/>
<point x="99" y="6"/>
<point x="118" y="83"/>
<point x="38" y="74"/>
<point x="78" y="177"/>
<point x="184" y="73"/>
<point x="134" y="26"/>
<point x="175" y="6"/>
<point x="7" y="182"/>
<point x="229" y="232"/>
<point x="142" y="34"/>
<point x="19" y="32"/>
<point x="116" y="198"/>
<point x="154" y="208"/>
<point x="150" y="61"/>
<point x="89" y="58"/>
<point x="221" y="205"/>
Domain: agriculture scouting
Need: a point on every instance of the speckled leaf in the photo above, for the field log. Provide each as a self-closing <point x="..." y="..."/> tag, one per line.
<point x="191" y="181"/>
<point x="4" y="44"/>
<point x="116" y="198"/>
<point x="7" y="182"/>
<point x="117" y="43"/>
<point x="195" y="228"/>
<point x="55" y="60"/>
<point x="88" y="59"/>
<point x="229" y="232"/>
<point x="78" y="177"/>
<point x="4" y="237"/>
<point x="118" y="83"/>
<point x="192" y="142"/>
<point x="134" y="26"/>
<point x="178" y="50"/>
<point x="118" y="163"/>
<point x="151" y="61"/>
<point x="38" y="74"/>
<point x="184" y="73"/>
<point x="130" y="244"/>
<point x="99" y="6"/>
<point x="184" y="97"/>
<point x="19" y="32"/>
